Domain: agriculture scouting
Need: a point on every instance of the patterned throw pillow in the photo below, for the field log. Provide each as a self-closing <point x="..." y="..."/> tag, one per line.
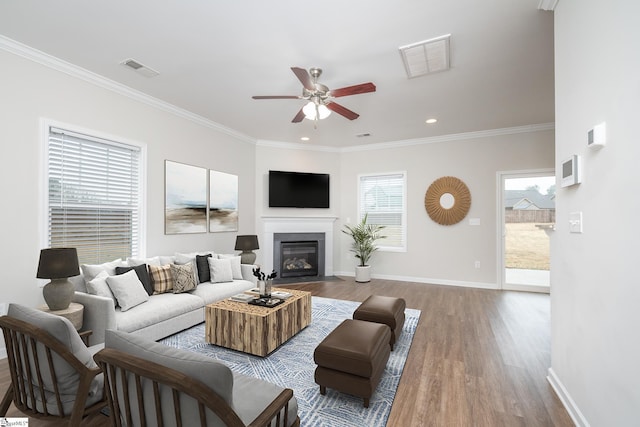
<point x="183" y="279"/>
<point x="161" y="278"/>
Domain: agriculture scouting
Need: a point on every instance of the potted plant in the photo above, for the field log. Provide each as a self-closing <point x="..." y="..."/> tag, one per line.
<point x="364" y="245"/>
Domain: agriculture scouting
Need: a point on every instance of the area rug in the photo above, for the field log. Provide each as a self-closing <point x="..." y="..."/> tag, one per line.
<point x="292" y="366"/>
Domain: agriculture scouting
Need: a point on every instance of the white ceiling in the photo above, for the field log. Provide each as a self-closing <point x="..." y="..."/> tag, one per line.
<point x="214" y="55"/>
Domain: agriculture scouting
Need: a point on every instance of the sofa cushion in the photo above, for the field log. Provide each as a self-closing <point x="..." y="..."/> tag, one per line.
<point x="127" y="289"/>
<point x="158" y="308"/>
<point x="252" y="395"/>
<point x="98" y="286"/>
<point x="141" y="272"/>
<point x="202" y="264"/>
<point x="212" y="292"/>
<point x="161" y="278"/>
<point x="220" y="270"/>
<point x="89" y="271"/>
<point x="214" y="374"/>
<point x="183" y="279"/>
<point x="62" y="330"/>
<point x="149" y="261"/>
<point x="236" y="263"/>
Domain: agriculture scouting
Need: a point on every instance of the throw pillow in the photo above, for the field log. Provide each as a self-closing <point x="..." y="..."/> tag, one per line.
<point x="182" y="259"/>
<point x="183" y="280"/>
<point x="90" y="271"/>
<point x="149" y="261"/>
<point x="127" y="289"/>
<point x="98" y="286"/>
<point x="235" y="265"/>
<point x="143" y="275"/>
<point x="161" y="278"/>
<point x="202" y="264"/>
<point x="220" y="270"/>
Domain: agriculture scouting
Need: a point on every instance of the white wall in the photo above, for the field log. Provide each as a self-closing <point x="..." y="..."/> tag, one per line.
<point x="437" y="253"/>
<point x="30" y="91"/>
<point x="596" y="288"/>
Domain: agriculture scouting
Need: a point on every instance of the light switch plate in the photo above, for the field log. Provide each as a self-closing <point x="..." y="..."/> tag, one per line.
<point x="474" y="221"/>
<point x="575" y="222"/>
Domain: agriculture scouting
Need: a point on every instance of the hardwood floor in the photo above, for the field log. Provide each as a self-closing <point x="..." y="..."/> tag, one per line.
<point x="478" y="357"/>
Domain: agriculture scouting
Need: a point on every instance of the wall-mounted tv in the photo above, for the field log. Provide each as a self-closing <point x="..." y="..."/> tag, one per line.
<point x="298" y="190"/>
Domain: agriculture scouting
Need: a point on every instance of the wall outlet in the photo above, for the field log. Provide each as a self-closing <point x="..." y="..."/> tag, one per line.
<point x="4" y="307"/>
<point x="477" y="264"/>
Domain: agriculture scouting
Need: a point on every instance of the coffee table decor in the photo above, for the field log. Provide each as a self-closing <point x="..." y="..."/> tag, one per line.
<point x="265" y="282"/>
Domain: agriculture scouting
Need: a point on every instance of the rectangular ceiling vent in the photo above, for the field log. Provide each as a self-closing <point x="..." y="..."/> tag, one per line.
<point x="426" y="57"/>
<point x="139" y="68"/>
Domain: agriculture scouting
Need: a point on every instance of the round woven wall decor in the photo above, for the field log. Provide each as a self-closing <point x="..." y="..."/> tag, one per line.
<point x="456" y="196"/>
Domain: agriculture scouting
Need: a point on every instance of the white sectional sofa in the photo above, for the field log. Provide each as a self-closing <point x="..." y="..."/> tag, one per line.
<point x="161" y="314"/>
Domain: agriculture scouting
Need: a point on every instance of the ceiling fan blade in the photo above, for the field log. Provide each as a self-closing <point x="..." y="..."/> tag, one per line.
<point x="299" y="117"/>
<point x="337" y="108"/>
<point x="353" y="90"/>
<point x="304" y="77"/>
<point x="276" y="97"/>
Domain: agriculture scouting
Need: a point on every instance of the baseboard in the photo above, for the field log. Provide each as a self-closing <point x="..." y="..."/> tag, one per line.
<point x="562" y="393"/>
<point x="427" y="280"/>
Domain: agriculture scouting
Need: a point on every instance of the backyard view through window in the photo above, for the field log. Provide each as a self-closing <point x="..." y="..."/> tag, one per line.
<point x="529" y="217"/>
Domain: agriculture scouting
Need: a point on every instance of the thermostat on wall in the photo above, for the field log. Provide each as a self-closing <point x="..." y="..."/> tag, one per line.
<point x="597" y="137"/>
<point x="571" y="171"/>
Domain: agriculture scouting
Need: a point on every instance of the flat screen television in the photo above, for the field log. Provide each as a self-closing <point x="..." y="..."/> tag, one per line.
<point x="298" y="190"/>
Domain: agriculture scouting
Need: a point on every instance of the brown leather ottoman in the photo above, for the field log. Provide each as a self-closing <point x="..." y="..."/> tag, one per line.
<point x="352" y="357"/>
<point x="387" y="310"/>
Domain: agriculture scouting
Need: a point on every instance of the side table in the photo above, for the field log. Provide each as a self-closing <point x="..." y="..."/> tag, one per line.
<point x="74" y="313"/>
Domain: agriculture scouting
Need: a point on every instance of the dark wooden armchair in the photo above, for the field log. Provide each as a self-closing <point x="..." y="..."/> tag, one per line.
<point x="144" y="393"/>
<point x="47" y="378"/>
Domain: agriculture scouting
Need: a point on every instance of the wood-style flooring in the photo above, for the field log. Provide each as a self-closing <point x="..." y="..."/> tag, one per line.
<point x="478" y="358"/>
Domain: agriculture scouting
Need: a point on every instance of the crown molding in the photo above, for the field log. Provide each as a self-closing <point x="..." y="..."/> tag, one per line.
<point x="57" y="64"/>
<point x="453" y="137"/>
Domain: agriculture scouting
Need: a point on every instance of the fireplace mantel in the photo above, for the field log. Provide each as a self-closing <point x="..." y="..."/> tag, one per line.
<point x="297" y="224"/>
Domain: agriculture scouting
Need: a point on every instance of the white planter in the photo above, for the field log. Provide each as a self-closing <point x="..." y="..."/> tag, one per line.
<point x="363" y="274"/>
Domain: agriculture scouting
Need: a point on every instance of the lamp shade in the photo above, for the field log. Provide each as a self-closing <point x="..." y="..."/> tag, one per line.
<point x="312" y="111"/>
<point x="58" y="263"/>
<point x="247" y="243"/>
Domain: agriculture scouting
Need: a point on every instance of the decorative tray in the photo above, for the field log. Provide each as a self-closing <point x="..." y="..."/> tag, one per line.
<point x="266" y="302"/>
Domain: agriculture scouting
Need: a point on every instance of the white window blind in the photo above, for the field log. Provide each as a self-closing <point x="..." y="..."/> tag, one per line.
<point x="93" y="196"/>
<point x="382" y="199"/>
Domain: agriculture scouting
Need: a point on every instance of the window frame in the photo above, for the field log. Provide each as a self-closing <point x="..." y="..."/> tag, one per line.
<point x="46" y="126"/>
<point x="361" y="212"/>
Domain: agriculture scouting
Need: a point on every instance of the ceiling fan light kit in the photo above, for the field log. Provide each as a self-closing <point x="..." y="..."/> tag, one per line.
<point x="320" y="98"/>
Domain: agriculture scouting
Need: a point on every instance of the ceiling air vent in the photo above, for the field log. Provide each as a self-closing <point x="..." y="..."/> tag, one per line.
<point x="138" y="67"/>
<point x="426" y="57"/>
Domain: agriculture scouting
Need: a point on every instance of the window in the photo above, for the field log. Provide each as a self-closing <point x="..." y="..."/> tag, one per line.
<point x="383" y="199"/>
<point x="93" y="196"/>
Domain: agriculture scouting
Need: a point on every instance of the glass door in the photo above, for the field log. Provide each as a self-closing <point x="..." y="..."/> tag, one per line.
<point x="527" y="223"/>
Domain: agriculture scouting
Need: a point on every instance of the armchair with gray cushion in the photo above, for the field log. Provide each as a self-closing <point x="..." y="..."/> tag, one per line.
<point x="53" y="375"/>
<point x="150" y="384"/>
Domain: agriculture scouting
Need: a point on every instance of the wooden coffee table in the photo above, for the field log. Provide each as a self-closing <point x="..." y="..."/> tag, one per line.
<point x="257" y="330"/>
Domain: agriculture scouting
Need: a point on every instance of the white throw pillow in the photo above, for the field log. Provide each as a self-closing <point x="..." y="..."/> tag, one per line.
<point x="220" y="270"/>
<point x="127" y="289"/>
<point x="98" y="286"/>
<point x="133" y="262"/>
<point x="90" y="271"/>
<point x="235" y="265"/>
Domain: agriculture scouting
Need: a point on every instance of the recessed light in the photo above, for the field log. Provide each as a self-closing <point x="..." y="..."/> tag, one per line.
<point x="304" y="138"/>
<point x="431" y="121"/>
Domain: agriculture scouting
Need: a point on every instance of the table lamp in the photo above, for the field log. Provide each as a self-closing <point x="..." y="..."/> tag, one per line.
<point x="58" y="264"/>
<point x="247" y="244"/>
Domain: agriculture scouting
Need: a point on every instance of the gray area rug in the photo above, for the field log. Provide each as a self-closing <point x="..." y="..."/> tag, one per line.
<point x="292" y="366"/>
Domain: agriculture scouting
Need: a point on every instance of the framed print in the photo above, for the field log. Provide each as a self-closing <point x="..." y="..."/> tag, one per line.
<point x="185" y="209"/>
<point x="223" y="202"/>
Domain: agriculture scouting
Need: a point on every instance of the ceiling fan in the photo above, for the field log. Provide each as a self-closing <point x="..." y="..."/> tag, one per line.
<point x="321" y="97"/>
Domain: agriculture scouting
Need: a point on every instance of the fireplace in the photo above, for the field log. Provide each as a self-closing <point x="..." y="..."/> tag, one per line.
<point x="299" y="258"/>
<point x="299" y="254"/>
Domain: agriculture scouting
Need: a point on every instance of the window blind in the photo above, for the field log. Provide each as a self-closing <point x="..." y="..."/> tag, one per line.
<point x="382" y="199"/>
<point x="93" y="196"/>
